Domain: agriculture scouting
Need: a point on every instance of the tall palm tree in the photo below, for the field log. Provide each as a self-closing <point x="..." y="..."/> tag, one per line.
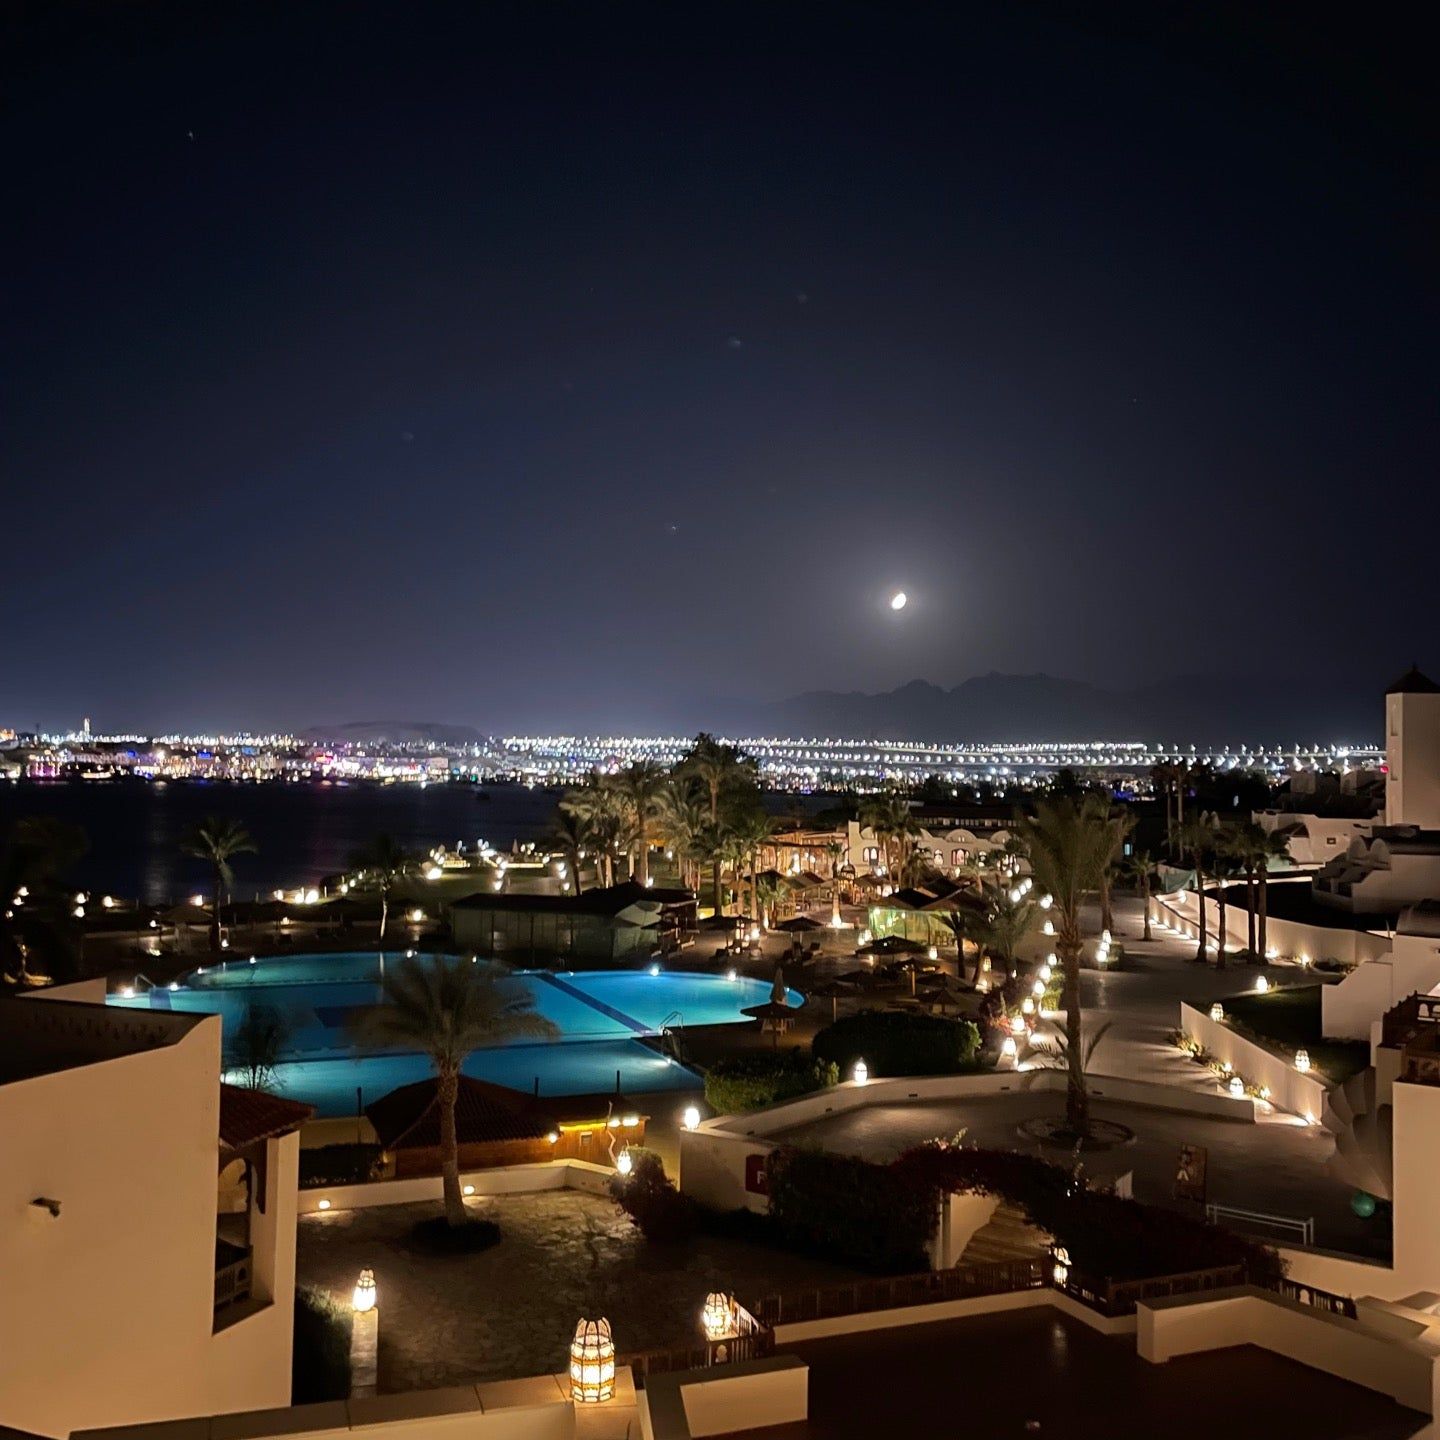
<point x="217" y="840"/>
<point x="1197" y="839"/>
<point x="381" y="866"/>
<point x="1247" y="846"/>
<point x="1276" y="847"/>
<point x="445" y="1010"/>
<point x="599" y="810"/>
<point x="750" y="830"/>
<point x="567" y="834"/>
<point x="681" y="816"/>
<point x="1004" y="924"/>
<point x="1139" y="867"/>
<point x="834" y="852"/>
<point x="966" y="922"/>
<point x="724" y="773"/>
<point x="1118" y="825"/>
<point x="38" y="933"/>
<point x="640" y="784"/>
<point x="894" y="827"/>
<point x="1069" y="844"/>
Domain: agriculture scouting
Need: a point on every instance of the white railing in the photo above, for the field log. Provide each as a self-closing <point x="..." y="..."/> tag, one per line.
<point x="1304" y="1229"/>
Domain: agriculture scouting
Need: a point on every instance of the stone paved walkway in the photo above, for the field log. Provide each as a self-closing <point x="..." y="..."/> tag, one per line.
<point x="511" y="1310"/>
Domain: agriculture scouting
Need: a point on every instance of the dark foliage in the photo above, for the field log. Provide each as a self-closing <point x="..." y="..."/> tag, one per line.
<point x="876" y="1217"/>
<point x="437" y="1236"/>
<point x="320" y="1368"/>
<point x="892" y="1042"/>
<point x="352" y="1164"/>
<point x="764" y="1077"/>
<point x="649" y="1197"/>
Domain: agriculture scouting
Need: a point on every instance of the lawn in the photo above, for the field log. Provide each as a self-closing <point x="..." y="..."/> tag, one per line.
<point x="1290" y="1019"/>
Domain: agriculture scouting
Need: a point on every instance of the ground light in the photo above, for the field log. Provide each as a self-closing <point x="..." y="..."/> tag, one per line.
<point x="592" y="1363"/>
<point x="861" y="1073"/>
<point x="1262" y="985"/>
<point x="691" y="1118"/>
<point x="1217" y="1012"/>
<point x="364" y="1296"/>
<point x="715" y="1317"/>
<point x="1302" y="1061"/>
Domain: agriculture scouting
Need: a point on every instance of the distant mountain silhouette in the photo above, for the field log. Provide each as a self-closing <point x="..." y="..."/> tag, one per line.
<point x="993" y="708"/>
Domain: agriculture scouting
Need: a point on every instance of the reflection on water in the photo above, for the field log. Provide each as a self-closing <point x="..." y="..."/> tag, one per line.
<point x="303" y="832"/>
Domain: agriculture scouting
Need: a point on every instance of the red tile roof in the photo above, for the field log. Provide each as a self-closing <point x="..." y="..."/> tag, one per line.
<point x="250" y="1115"/>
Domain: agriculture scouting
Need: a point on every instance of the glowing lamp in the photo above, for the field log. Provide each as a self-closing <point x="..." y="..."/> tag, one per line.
<point x="691" y="1118"/>
<point x="715" y="1317"/>
<point x="416" y="916"/>
<point x="364" y="1296"/>
<point x="1008" y="1049"/>
<point x="592" y="1363"/>
<point x="1027" y="1005"/>
<point x="1302" y="1061"/>
<point x="623" y="1163"/>
<point x="1048" y="928"/>
<point x="1038" y="988"/>
<point x="654" y="970"/>
<point x="861" y="1073"/>
<point x="1262" y="985"/>
<point x="467" y="1189"/>
<point x="1017" y="1025"/>
<point x="1237" y="1087"/>
<point x="932" y="953"/>
<point x="1060" y="1268"/>
<point x="323" y="1205"/>
<point x="732" y="975"/>
<point x="553" y="1137"/>
<point x="1217" y="1012"/>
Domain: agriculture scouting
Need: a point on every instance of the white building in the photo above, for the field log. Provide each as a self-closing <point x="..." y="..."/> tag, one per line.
<point x="126" y="1296"/>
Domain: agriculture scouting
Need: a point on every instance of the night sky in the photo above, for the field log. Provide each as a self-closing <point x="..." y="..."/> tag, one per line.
<point x="545" y="367"/>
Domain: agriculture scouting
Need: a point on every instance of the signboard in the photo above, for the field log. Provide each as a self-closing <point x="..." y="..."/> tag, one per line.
<point x="1190" y="1173"/>
<point x="756" y="1181"/>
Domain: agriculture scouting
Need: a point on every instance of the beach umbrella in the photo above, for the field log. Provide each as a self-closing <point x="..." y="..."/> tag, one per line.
<point x="798" y="924"/>
<point x="778" y="992"/>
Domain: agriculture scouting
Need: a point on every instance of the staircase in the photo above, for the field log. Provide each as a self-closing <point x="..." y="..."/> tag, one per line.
<point x="1007" y="1235"/>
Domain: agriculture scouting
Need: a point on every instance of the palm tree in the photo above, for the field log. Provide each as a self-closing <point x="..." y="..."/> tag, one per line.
<point x="37" y="923"/>
<point x="834" y="851"/>
<point x="1139" y="867"/>
<point x="1119" y="825"/>
<point x="1004" y="925"/>
<point x="1277" y="847"/>
<point x="680" y="818"/>
<point x="598" y="809"/>
<point x="725" y="773"/>
<point x="445" y="1010"/>
<point x="381" y="866"/>
<point x="1069" y="845"/>
<point x="1246" y="843"/>
<point x="1197" y="838"/>
<point x="217" y="840"/>
<point x="567" y="834"/>
<point x="1224" y="865"/>
<point x="751" y="829"/>
<point x="640" y="784"/>
<point x="894" y="827"/>
<point x="966" y="922"/>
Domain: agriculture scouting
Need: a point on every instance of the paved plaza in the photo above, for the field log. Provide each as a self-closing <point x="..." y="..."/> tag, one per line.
<point x="511" y="1310"/>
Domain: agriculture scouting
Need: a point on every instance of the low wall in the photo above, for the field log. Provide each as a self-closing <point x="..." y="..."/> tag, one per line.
<point x="1291" y="938"/>
<point x="1343" y="1274"/>
<point x="1289" y="1089"/>
<point x="718" y="1161"/>
<point x="722" y="1399"/>
<point x="1349" y="1349"/>
<point x="505" y="1180"/>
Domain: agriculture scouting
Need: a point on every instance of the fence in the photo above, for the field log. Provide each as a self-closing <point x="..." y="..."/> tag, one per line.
<point x="1313" y="1296"/>
<point x="1119" y="1297"/>
<point x="751" y="1340"/>
<point x="1303" y="1230"/>
<point x="897" y="1291"/>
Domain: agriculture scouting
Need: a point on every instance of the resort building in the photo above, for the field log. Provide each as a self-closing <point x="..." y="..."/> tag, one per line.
<point x="129" y="1296"/>
<point x="612" y="925"/>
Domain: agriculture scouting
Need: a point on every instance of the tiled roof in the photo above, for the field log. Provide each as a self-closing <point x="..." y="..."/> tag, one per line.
<point x="250" y="1115"/>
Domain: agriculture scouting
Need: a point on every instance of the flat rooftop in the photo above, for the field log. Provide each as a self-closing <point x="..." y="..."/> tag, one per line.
<point x="43" y="1037"/>
<point x="1037" y="1372"/>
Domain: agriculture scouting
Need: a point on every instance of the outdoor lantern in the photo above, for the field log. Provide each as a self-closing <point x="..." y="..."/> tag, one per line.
<point x="364" y="1297"/>
<point x="1237" y="1087"/>
<point x="1048" y="928"/>
<point x="1217" y="1012"/>
<point x="932" y="953"/>
<point x="1017" y="1025"/>
<point x="1045" y="972"/>
<point x="1046" y="901"/>
<point x="1302" y="1060"/>
<point x="1008" y="1049"/>
<point x="861" y="1072"/>
<point x="623" y="1163"/>
<point x="1261" y="985"/>
<point x="732" y="975"/>
<point x="592" y="1363"/>
<point x="654" y="970"/>
<point x="1061" y="1270"/>
<point x="715" y="1317"/>
<point x="1038" y="989"/>
<point x="985" y="965"/>
<point x="1027" y="1005"/>
<point x="691" y="1118"/>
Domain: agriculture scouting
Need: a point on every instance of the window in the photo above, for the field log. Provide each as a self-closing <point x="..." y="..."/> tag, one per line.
<point x="871" y="853"/>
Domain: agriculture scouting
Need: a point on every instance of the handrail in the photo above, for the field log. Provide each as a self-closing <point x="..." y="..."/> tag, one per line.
<point x="1311" y="1295"/>
<point x="1305" y="1229"/>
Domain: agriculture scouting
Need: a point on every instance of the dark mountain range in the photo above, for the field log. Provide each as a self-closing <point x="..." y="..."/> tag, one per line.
<point x="993" y="708"/>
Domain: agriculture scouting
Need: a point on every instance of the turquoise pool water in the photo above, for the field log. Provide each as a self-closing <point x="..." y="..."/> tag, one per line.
<point x="600" y="1015"/>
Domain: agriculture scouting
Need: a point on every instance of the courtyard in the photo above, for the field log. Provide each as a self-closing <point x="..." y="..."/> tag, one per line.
<point x="511" y="1310"/>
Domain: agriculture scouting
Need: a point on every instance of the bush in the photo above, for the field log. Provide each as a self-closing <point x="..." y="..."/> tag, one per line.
<point x="758" y="1078"/>
<point x="895" y="1042"/>
<point x="649" y="1197"/>
<point x="320" y="1360"/>
<point x="351" y="1164"/>
<point x="876" y="1217"/>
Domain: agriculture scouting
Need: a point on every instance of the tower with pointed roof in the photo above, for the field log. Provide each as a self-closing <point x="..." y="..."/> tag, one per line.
<point x="1412" y="751"/>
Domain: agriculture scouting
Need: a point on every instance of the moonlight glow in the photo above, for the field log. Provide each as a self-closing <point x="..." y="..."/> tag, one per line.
<point x="898" y="599"/>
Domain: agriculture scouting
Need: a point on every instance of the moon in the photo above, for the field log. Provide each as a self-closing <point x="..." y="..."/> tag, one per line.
<point x="898" y="599"/>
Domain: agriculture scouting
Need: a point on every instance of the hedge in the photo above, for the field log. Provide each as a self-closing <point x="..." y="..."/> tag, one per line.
<point x="649" y="1197"/>
<point x="320" y="1362"/>
<point x="750" y="1081"/>
<point x="346" y="1164"/>
<point x="894" y="1042"/>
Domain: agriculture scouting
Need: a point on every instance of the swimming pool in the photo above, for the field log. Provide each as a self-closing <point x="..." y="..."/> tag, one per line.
<point x="600" y="1016"/>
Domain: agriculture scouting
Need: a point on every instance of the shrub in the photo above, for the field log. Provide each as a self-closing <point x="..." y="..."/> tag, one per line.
<point x="894" y="1042"/>
<point x="320" y="1359"/>
<point x="876" y="1217"/>
<point x="351" y="1164"/>
<point x="649" y="1197"/>
<point x="749" y="1081"/>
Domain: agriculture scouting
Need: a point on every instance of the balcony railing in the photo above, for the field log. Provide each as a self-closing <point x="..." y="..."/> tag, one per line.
<point x="233" y="1273"/>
